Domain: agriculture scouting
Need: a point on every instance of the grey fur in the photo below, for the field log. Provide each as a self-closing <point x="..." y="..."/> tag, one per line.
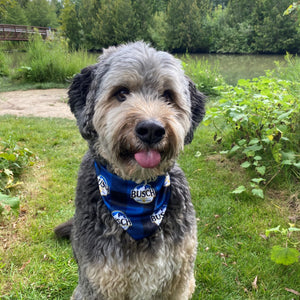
<point x="111" y="264"/>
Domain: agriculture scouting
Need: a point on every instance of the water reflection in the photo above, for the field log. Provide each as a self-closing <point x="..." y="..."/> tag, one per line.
<point x="235" y="67"/>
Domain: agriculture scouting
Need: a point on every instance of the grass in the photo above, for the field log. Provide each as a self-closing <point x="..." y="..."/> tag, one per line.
<point x="232" y="250"/>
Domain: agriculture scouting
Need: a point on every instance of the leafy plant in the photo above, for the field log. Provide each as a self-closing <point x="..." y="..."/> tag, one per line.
<point x="284" y="255"/>
<point x="13" y="159"/>
<point x="261" y="118"/>
<point x="8" y="201"/>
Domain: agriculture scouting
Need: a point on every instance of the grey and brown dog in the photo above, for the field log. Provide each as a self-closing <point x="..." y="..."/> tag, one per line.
<point x="136" y="109"/>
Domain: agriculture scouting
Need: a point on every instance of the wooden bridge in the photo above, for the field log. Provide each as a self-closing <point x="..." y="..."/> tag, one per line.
<point x="10" y="32"/>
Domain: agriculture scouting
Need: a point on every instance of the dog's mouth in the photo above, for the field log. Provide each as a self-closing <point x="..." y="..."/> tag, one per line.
<point x="145" y="158"/>
<point x="148" y="159"/>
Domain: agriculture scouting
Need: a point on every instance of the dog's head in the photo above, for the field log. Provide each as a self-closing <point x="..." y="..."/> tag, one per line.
<point x="137" y="109"/>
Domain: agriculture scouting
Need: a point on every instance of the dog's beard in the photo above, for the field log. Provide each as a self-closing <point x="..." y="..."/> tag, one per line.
<point x="118" y="144"/>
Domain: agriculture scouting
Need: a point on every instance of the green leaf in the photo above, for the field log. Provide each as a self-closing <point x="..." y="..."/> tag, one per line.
<point x="224" y="152"/>
<point x="246" y="164"/>
<point x="284" y="256"/>
<point x="257" y="180"/>
<point x="8" y="157"/>
<point x="275" y="229"/>
<point x="297" y="165"/>
<point x="234" y="148"/>
<point x="239" y="190"/>
<point x="261" y="170"/>
<point x="257" y="157"/>
<point x="258" y="192"/>
<point x="254" y="142"/>
<point x="13" y="202"/>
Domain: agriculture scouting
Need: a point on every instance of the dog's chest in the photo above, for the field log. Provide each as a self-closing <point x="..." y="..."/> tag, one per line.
<point x="145" y="277"/>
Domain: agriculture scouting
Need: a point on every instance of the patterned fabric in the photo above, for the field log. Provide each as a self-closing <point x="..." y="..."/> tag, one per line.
<point x="137" y="208"/>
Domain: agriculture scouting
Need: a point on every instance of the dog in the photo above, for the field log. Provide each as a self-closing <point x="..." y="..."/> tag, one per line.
<point x="134" y="232"/>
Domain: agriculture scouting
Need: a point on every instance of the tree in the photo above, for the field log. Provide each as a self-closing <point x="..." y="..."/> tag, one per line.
<point x="143" y="18"/>
<point x="41" y="13"/>
<point x="4" y="6"/>
<point x="87" y="16"/>
<point x="183" y="26"/>
<point x="274" y="32"/>
<point x="115" y="23"/>
<point x="15" y="15"/>
<point x="70" y="25"/>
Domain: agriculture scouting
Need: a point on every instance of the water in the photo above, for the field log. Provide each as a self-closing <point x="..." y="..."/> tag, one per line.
<point x="235" y="67"/>
<point x="231" y="67"/>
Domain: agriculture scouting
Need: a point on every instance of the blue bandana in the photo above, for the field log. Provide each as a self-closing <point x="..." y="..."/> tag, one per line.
<point x="137" y="208"/>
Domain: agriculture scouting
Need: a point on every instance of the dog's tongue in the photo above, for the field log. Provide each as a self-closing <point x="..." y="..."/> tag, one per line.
<point x="147" y="159"/>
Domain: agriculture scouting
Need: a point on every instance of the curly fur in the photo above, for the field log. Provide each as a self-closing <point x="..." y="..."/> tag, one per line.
<point x="111" y="264"/>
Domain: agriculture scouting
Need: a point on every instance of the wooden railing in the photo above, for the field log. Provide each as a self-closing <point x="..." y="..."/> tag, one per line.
<point x="10" y="32"/>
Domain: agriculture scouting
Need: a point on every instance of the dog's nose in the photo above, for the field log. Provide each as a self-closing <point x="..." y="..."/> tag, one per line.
<point x="150" y="131"/>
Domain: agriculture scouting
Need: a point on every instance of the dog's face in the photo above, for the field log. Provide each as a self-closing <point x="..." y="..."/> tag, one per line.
<point x="137" y="109"/>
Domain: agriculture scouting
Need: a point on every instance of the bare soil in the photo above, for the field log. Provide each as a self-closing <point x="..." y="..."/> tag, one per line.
<point x="39" y="103"/>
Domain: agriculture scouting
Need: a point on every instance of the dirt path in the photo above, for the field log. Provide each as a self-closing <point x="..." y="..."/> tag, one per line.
<point x="40" y="103"/>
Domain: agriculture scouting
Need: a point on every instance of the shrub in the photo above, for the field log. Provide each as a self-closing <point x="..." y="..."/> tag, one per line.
<point x="206" y="77"/>
<point x="50" y="61"/>
<point x="13" y="159"/>
<point x="262" y="118"/>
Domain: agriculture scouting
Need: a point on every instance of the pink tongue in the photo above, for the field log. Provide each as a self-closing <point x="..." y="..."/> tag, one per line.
<point x="147" y="159"/>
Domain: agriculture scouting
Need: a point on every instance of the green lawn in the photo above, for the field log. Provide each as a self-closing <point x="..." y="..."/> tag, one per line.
<point x="233" y="254"/>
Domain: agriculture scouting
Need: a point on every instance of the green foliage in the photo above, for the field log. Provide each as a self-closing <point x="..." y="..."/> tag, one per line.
<point x="284" y="255"/>
<point x="4" y="70"/>
<point x="13" y="159"/>
<point x="70" y="25"/>
<point x="206" y="77"/>
<point x="41" y="13"/>
<point x="261" y="117"/>
<point x="8" y="201"/>
<point x="51" y="61"/>
<point x="184" y="26"/>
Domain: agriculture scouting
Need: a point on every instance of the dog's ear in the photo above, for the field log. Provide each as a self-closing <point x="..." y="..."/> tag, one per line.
<point x="78" y="93"/>
<point x="79" y="89"/>
<point x="197" y="109"/>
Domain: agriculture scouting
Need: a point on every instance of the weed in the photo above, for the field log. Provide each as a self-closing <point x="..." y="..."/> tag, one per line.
<point x="261" y="116"/>
<point x="13" y="159"/>
<point x="285" y="255"/>
<point x="50" y="61"/>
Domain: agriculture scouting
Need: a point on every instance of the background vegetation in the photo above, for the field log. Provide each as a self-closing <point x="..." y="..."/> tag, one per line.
<point x="234" y="26"/>
<point x="243" y="166"/>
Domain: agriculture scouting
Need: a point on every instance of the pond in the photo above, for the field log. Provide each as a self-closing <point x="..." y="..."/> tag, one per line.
<point x="231" y="67"/>
<point x="235" y="67"/>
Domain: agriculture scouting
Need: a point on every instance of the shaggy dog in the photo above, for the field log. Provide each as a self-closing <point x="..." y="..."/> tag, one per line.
<point x="134" y="231"/>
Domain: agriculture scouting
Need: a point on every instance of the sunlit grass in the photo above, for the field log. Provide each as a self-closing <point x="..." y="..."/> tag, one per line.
<point x="231" y="250"/>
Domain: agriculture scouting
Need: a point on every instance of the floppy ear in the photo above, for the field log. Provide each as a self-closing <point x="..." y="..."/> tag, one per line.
<point x="79" y="89"/>
<point x="197" y="110"/>
<point x="78" y="93"/>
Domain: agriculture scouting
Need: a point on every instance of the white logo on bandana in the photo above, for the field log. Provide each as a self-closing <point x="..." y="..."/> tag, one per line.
<point x="143" y="194"/>
<point x="158" y="216"/>
<point x="103" y="186"/>
<point x="121" y="219"/>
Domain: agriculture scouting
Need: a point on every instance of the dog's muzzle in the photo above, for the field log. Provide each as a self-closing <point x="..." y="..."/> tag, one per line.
<point x="150" y="132"/>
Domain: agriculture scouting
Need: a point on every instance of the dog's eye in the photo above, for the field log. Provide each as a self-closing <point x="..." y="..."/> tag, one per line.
<point x="168" y="96"/>
<point x="121" y="94"/>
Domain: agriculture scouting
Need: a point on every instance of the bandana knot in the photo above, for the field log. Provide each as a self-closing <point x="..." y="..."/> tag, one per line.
<point x="137" y="208"/>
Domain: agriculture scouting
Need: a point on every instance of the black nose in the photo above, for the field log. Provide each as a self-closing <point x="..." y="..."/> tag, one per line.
<point x="150" y="131"/>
